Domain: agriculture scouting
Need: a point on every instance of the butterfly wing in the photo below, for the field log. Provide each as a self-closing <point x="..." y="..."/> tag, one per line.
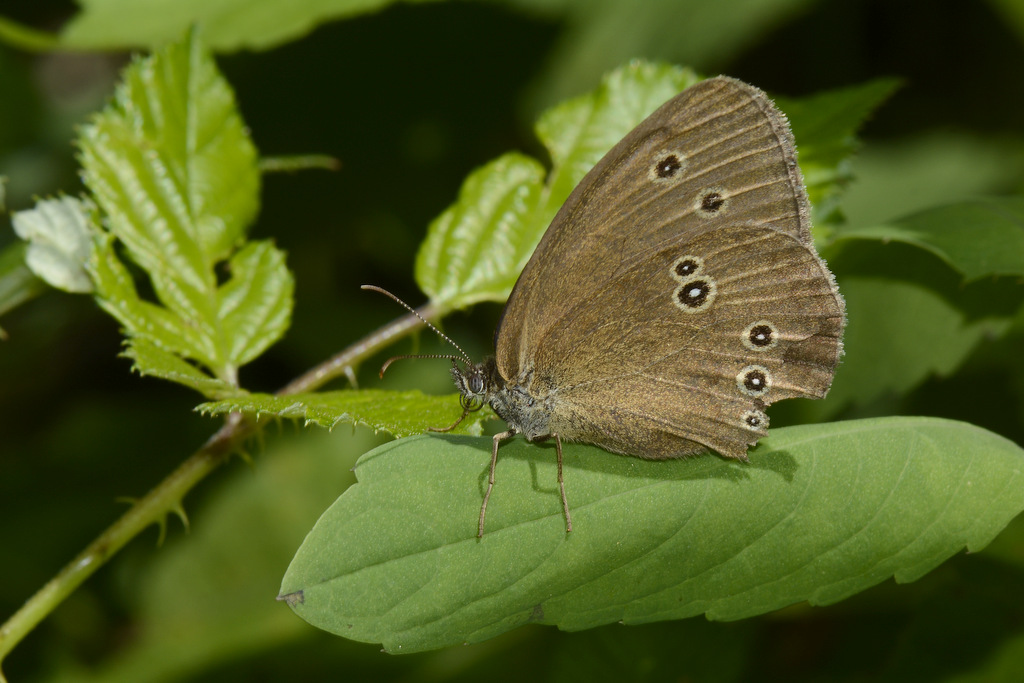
<point x="677" y="292"/>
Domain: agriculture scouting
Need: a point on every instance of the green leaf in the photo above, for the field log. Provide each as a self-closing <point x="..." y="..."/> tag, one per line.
<point x="255" y="305"/>
<point x="820" y="513"/>
<point x="475" y="250"/>
<point x="598" y="35"/>
<point x="929" y="168"/>
<point x="173" y="169"/>
<point x="149" y="359"/>
<point x="922" y="294"/>
<point x="58" y="233"/>
<point x="116" y="293"/>
<point x="399" y="413"/>
<point x="980" y="238"/>
<point x="227" y="25"/>
<point x="825" y="126"/>
<point x="899" y="334"/>
<point x="175" y="174"/>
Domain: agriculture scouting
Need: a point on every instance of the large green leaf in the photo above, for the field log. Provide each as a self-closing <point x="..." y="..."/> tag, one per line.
<point x="820" y="513"/>
<point x="922" y="293"/>
<point x="228" y="25"/>
<point x="980" y="238"/>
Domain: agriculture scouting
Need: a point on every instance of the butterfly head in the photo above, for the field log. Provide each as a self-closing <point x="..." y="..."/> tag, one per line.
<point x="476" y="382"/>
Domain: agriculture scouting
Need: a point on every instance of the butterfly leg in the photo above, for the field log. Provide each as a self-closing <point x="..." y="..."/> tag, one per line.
<point x="561" y="484"/>
<point x="498" y="438"/>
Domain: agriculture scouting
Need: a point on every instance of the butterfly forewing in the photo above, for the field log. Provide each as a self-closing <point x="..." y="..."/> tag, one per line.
<point x="677" y="292"/>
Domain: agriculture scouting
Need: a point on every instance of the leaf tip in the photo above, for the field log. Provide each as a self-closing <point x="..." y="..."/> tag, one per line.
<point x="292" y="599"/>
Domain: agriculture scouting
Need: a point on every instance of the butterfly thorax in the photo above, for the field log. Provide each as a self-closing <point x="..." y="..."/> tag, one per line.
<point x="482" y="383"/>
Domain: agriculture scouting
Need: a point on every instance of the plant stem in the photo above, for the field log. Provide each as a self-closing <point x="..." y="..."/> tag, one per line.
<point x="166" y="497"/>
<point x="291" y="164"/>
<point x="17" y="35"/>
<point x="147" y="510"/>
<point x="341" y="363"/>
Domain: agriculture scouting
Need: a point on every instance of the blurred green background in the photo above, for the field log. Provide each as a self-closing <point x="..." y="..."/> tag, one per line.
<point x="410" y="99"/>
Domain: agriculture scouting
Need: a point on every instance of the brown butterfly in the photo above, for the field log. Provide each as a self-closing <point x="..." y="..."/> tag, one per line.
<point x="674" y="296"/>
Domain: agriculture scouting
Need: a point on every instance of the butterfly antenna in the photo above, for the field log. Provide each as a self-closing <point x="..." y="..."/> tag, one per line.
<point x="442" y="335"/>
<point x="391" y="360"/>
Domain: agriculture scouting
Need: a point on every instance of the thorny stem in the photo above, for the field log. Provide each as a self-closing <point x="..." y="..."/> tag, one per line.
<point x="360" y="351"/>
<point x="166" y="497"/>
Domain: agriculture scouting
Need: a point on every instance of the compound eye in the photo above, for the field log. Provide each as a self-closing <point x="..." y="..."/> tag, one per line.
<point x="476" y="383"/>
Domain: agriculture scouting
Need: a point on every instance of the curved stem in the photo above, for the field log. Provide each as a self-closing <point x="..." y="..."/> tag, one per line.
<point x="345" y="361"/>
<point x="147" y="510"/>
<point x="25" y="38"/>
<point x="166" y="497"/>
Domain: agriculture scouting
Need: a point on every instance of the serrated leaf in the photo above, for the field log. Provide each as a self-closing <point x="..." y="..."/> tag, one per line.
<point x="399" y="413"/>
<point x="980" y="238"/>
<point x="151" y="360"/>
<point x="175" y="175"/>
<point x="255" y="305"/>
<point x="171" y="166"/>
<point x="821" y="513"/>
<point x="116" y="294"/>
<point x="59" y="237"/>
<point x="476" y="249"/>
<point x="227" y="25"/>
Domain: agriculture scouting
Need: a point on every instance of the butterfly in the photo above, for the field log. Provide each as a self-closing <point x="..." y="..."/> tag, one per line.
<point x="675" y="295"/>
